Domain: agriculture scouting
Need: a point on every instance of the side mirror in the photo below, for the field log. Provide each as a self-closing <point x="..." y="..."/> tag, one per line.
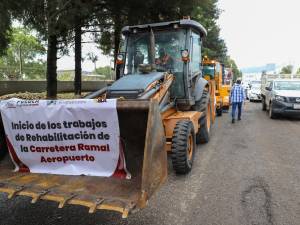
<point x="268" y="89"/>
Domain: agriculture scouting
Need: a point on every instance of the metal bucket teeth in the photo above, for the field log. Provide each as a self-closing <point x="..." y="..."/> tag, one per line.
<point x="66" y="200"/>
<point x="94" y="207"/>
<point x="38" y="196"/>
<point x="84" y="194"/>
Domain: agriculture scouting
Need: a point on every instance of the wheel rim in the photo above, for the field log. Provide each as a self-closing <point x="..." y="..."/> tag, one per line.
<point x="190" y="147"/>
<point x="208" y="117"/>
<point x="270" y="110"/>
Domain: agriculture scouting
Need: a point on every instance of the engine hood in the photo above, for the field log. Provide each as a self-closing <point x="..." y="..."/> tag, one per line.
<point x="287" y="93"/>
<point x="130" y="86"/>
<point x="255" y="91"/>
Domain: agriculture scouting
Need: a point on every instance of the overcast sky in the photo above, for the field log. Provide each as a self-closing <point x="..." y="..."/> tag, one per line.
<point x="67" y="62"/>
<point x="258" y="32"/>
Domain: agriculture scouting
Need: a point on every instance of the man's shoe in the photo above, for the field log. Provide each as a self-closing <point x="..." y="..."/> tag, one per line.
<point x="233" y="120"/>
<point x="239" y="119"/>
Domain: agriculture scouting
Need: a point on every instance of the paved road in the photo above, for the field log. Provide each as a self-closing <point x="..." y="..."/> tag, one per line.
<point x="249" y="173"/>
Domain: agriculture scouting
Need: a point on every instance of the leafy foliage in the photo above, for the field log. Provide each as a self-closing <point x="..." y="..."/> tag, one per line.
<point x="57" y="21"/>
<point x="106" y="71"/>
<point x="207" y="14"/>
<point x="230" y="63"/>
<point x="287" y="69"/>
<point x="5" y="26"/>
<point x="22" y="54"/>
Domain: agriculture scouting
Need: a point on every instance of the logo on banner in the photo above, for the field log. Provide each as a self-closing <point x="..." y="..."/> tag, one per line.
<point x="20" y="103"/>
<point x="10" y="104"/>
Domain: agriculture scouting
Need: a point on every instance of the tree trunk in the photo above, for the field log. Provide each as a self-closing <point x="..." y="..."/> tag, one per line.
<point x="117" y="40"/>
<point x="78" y="70"/>
<point x="51" y="67"/>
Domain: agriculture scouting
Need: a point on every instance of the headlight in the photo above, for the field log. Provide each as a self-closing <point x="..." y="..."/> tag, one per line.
<point x="185" y="55"/>
<point x="279" y="98"/>
<point x="120" y="59"/>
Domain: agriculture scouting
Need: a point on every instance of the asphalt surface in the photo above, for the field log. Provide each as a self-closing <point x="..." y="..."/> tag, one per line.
<point x="249" y="173"/>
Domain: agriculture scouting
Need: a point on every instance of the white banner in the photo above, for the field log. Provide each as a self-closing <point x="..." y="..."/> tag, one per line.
<point x="70" y="137"/>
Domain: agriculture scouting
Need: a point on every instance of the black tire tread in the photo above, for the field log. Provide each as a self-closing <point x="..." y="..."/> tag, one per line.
<point x="200" y="105"/>
<point x="203" y="134"/>
<point x="272" y="115"/>
<point x="179" y="153"/>
<point x="220" y="112"/>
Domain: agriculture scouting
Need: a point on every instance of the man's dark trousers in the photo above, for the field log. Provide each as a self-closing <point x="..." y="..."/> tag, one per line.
<point x="239" y="106"/>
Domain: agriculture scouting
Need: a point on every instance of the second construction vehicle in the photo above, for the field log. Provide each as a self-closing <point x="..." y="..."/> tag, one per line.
<point x="214" y="72"/>
<point x="164" y="105"/>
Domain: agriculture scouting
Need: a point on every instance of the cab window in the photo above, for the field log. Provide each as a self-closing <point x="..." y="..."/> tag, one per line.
<point x="196" y="53"/>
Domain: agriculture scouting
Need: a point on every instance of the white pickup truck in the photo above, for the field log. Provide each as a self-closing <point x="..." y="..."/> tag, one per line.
<point x="281" y="96"/>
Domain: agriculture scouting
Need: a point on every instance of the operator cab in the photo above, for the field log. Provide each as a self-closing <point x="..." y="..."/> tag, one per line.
<point x="169" y="47"/>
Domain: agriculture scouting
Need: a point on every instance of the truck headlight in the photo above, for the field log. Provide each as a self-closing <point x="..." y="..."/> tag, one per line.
<point x="280" y="98"/>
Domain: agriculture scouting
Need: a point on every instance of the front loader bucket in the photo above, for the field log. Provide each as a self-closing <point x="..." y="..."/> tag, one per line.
<point x="143" y="136"/>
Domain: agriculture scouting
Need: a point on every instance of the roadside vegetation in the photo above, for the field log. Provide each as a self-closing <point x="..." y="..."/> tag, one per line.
<point x="54" y="27"/>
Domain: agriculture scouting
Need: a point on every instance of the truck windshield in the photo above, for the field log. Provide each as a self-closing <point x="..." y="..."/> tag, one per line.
<point x="287" y="85"/>
<point x="168" y="47"/>
<point x="208" y="70"/>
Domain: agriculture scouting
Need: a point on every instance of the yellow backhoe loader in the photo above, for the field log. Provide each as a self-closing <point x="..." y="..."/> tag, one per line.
<point x="164" y="106"/>
<point x="214" y="72"/>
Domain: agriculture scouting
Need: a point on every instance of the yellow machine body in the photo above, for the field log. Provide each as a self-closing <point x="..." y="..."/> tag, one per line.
<point x="215" y="77"/>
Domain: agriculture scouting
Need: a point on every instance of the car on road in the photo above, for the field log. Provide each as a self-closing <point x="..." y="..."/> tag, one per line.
<point x="282" y="97"/>
<point x="254" y="93"/>
<point x="246" y="87"/>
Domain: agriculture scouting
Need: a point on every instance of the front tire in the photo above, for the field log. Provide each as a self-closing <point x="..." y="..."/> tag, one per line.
<point x="272" y="115"/>
<point x="183" y="147"/>
<point x="264" y="105"/>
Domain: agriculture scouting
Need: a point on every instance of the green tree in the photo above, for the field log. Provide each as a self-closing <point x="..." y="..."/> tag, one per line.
<point x="21" y="56"/>
<point x="60" y="23"/>
<point x="287" y="69"/>
<point x="207" y="13"/>
<point x="48" y="18"/>
<point x="136" y="12"/>
<point x="5" y="26"/>
<point x="93" y="58"/>
<point x="230" y="63"/>
<point x="106" y="71"/>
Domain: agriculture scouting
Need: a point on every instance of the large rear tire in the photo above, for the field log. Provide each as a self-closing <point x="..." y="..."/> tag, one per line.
<point x="183" y="147"/>
<point x="203" y="135"/>
<point x="200" y="105"/>
<point x="203" y="105"/>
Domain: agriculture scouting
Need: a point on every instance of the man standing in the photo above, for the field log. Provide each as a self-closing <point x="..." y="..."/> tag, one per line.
<point x="237" y="97"/>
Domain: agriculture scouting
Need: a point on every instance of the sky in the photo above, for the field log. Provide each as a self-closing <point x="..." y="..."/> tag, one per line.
<point x="258" y="32"/>
<point x="67" y="62"/>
